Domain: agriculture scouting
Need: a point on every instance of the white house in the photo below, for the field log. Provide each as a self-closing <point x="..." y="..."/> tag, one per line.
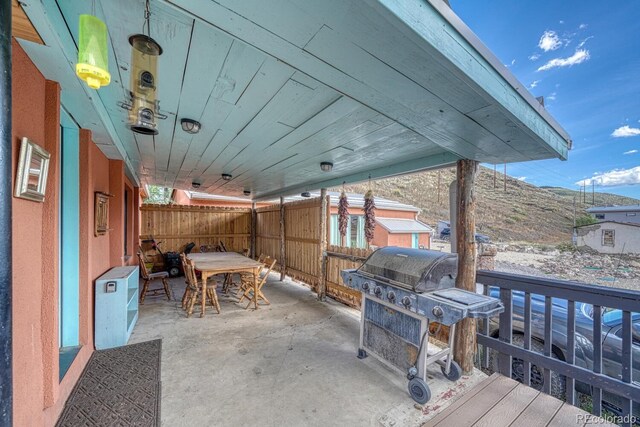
<point x="610" y="237"/>
<point x="616" y="213"/>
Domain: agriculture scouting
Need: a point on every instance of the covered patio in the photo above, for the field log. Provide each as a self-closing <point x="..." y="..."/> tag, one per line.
<point x="290" y="96"/>
<point x="290" y="363"/>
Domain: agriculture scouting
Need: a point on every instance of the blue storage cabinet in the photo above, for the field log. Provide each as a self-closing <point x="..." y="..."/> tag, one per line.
<point x="116" y="306"/>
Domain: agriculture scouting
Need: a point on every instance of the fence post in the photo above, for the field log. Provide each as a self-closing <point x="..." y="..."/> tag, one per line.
<point x="283" y="258"/>
<point x="322" y="274"/>
<point x="254" y="231"/>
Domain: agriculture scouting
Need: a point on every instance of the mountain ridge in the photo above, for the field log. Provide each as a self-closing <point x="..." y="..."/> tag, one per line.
<point x="522" y="213"/>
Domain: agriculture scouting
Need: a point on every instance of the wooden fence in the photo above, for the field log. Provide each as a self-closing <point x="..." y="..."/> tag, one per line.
<point x="302" y="240"/>
<point x="268" y="232"/>
<point x="302" y="237"/>
<point x="340" y="258"/>
<point x="177" y="225"/>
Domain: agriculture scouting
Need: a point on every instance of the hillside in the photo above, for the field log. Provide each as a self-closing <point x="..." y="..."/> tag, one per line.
<point x="522" y="213"/>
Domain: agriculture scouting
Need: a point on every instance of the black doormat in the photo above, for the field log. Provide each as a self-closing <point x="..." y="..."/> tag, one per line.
<point x="119" y="387"/>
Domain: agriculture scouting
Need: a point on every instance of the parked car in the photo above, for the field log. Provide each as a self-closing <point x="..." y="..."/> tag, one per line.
<point x="445" y="234"/>
<point x="611" y="344"/>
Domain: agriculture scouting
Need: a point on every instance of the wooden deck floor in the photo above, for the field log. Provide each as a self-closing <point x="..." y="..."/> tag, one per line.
<point x="501" y="401"/>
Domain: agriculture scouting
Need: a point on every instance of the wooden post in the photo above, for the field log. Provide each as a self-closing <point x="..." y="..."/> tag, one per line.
<point x="322" y="279"/>
<point x="465" y="342"/>
<point x="254" y="231"/>
<point x="283" y="257"/>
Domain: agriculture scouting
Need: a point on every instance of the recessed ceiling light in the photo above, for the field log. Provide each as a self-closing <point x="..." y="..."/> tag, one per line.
<point x="226" y="177"/>
<point x="196" y="184"/>
<point x="246" y="192"/>
<point x="306" y="194"/>
<point x="190" y="126"/>
<point x="326" y="166"/>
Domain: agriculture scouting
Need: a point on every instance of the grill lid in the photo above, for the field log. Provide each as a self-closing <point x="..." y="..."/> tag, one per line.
<point x="416" y="269"/>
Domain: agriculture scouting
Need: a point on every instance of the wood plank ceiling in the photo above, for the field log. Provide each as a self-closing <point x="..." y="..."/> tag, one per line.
<point x="266" y="121"/>
<point x="21" y="27"/>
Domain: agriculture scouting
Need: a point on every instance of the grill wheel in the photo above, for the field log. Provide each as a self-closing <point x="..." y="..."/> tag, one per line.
<point x="419" y="390"/>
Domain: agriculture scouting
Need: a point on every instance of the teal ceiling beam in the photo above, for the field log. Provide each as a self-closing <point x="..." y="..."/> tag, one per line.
<point x="61" y="49"/>
<point x="410" y="166"/>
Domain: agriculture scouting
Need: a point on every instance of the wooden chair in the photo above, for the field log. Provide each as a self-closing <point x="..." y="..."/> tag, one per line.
<point x="246" y="286"/>
<point x="150" y="277"/>
<point x="193" y="292"/>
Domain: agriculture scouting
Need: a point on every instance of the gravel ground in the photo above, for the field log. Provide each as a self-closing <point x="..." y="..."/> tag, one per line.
<point x="591" y="268"/>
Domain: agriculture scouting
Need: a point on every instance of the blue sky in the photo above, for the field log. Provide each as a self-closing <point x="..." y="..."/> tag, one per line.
<point x="584" y="58"/>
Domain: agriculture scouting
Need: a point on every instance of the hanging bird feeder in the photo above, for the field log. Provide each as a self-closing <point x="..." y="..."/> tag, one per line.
<point x="143" y="86"/>
<point x="93" y="60"/>
<point x="143" y="104"/>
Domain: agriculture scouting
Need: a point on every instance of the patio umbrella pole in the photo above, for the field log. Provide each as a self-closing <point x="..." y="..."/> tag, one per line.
<point x="6" y="391"/>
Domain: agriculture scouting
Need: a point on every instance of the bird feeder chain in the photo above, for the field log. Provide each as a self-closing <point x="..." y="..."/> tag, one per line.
<point x="147" y="18"/>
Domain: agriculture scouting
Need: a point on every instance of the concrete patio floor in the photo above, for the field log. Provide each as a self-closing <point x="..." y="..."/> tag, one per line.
<point x="292" y="363"/>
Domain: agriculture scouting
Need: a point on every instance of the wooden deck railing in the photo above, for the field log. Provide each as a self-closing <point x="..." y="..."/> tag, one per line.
<point x="595" y="355"/>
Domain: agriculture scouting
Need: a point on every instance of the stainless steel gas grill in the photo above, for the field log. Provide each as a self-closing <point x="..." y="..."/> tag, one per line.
<point x="403" y="290"/>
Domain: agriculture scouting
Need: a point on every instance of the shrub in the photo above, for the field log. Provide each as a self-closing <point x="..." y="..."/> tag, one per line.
<point x="585" y="220"/>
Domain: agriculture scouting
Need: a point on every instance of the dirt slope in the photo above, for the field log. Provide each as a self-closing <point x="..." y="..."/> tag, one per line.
<point x="524" y="213"/>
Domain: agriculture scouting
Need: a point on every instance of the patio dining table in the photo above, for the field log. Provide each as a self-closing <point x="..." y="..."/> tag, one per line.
<point x="212" y="263"/>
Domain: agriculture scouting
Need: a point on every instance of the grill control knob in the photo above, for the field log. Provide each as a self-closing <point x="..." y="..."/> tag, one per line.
<point x="378" y="291"/>
<point x="365" y="286"/>
<point x="437" y="311"/>
<point x="406" y="301"/>
<point x="391" y="296"/>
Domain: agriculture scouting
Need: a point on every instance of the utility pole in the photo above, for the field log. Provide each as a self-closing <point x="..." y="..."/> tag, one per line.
<point x="574" y="234"/>
<point x="505" y="177"/>
<point x="438" y="186"/>
<point x="584" y="192"/>
<point x="494" y="176"/>
<point x="593" y="192"/>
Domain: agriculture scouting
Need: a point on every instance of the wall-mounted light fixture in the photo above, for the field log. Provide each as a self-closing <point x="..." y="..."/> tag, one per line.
<point x="247" y="192"/>
<point x="226" y="177"/>
<point x="196" y="184"/>
<point x="306" y="194"/>
<point x="326" y="166"/>
<point x="190" y="126"/>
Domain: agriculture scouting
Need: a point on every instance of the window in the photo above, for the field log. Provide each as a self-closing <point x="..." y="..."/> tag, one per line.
<point x="599" y="216"/>
<point x="631" y="214"/>
<point x="334" y="230"/>
<point x="355" y="232"/>
<point x="608" y="238"/>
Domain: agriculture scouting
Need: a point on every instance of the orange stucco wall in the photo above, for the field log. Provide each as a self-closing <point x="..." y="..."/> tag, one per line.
<point x="181" y="198"/>
<point x="38" y="395"/>
<point x="382" y="237"/>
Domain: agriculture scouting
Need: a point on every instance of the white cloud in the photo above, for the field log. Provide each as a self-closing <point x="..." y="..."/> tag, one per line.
<point x="582" y="43"/>
<point x="534" y="57"/>
<point x="583" y="26"/>
<point x="521" y="178"/>
<point x="625" y="132"/>
<point x="561" y="21"/>
<point x="614" y="177"/>
<point x="534" y="84"/>
<point x="579" y="57"/>
<point x="626" y="153"/>
<point x="513" y="62"/>
<point x="549" y="41"/>
<point x="552" y="96"/>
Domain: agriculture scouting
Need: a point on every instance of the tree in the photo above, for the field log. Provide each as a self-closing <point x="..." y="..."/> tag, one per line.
<point x="585" y="220"/>
<point x="158" y="195"/>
